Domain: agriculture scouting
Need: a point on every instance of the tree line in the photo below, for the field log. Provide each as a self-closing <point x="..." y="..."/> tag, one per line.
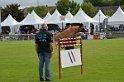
<point x="63" y="6"/>
<point x="106" y="2"/>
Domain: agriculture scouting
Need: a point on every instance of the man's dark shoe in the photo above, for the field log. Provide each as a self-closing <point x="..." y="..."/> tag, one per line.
<point x="48" y="80"/>
<point x="41" y="79"/>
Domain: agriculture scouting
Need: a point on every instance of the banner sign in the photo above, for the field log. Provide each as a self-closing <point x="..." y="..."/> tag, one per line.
<point x="62" y="18"/>
<point x="70" y="57"/>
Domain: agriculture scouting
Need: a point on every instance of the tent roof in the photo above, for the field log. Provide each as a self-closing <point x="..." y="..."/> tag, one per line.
<point x="117" y="17"/>
<point x="31" y="19"/>
<point x="9" y="21"/>
<point x="81" y="17"/>
<point x="99" y="16"/>
<point x="68" y="16"/>
<point x="54" y="19"/>
<point x="47" y="16"/>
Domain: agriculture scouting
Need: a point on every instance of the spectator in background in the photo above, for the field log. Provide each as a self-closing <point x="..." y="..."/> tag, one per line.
<point x="67" y="25"/>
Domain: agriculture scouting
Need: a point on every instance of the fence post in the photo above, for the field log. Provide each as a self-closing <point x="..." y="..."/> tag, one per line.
<point x="59" y="46"/>
<point x="81" y="56"/>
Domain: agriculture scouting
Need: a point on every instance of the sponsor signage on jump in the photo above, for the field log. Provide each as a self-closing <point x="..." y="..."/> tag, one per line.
<point x="70" y="57"/>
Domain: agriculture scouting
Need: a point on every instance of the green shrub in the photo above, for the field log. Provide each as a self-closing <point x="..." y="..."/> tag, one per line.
<point x="112" y="37"/>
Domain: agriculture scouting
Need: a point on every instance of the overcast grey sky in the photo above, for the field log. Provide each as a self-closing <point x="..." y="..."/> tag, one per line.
<point x="28" y="3"/>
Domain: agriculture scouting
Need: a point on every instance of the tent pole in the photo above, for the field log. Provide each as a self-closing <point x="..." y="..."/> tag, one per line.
<point x="0" y="20"/>
<point x="62" y="26"/>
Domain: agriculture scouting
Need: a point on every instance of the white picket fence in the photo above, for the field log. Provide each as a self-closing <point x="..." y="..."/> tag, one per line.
<point x="17" y="37"/>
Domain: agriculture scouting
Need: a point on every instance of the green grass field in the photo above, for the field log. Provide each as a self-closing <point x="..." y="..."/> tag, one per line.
<point x="103" y="61"/>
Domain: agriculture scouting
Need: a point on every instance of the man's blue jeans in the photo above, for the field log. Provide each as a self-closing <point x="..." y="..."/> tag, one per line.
<point x="44" y="59"/>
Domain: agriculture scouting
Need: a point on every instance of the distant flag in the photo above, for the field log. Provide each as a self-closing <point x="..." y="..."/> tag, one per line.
<point x="70" y="58"/>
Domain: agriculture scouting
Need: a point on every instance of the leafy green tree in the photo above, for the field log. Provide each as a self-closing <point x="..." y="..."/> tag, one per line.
<point x="106" y="2"/>
<point x="14" y="10"/>
<point x="64" y="6"/>
<point x="96" y="2"/>
<point x="122" y="7"/>
<point x="109" y="12"/>
<point x="89" y="9"/>
<point x="74" y="7"/>
<point x="121" y="2"/>
<point x="52" y="11"/>
<point x="39" y="10"/>
<point x="86" y="0"/>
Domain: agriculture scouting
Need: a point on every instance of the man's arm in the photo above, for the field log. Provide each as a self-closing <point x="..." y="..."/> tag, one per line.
<point x="36" y="48"/>
<point x="51" y="48"/>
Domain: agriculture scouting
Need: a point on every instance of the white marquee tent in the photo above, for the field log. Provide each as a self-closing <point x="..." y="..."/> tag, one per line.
<point x="32" y="19"/>
<point x="99" y="16"/>
<point x="11" y="22"/>
<point x="56" y="19"/>
<point x="68" y="16"/>
<point x="48" y="15"/>
<point x="82" y="17"/>
<point x="117" y="18"/>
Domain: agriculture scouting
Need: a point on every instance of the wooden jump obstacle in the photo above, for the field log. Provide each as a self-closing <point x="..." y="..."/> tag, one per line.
<point x="65" y="43"/>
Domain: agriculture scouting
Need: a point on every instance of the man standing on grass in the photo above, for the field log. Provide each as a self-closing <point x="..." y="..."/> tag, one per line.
<point x="44" y="49"/>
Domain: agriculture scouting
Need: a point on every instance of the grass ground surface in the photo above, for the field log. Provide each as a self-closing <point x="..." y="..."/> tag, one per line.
<point x="103" y="61"/>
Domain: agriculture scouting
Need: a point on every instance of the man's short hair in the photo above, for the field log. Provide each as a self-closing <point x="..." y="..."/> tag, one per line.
<point x="43" y="26"/>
